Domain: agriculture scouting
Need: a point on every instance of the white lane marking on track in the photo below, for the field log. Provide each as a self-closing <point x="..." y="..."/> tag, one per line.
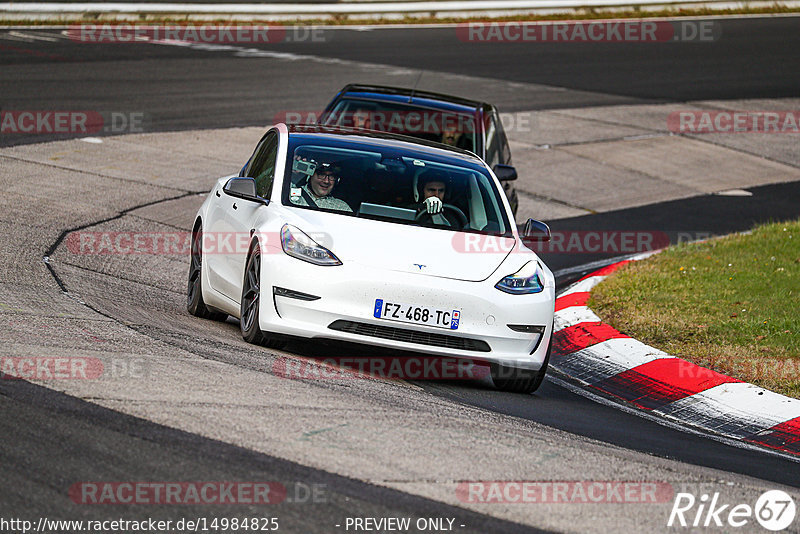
<point x="9" y="37"/>
<point x="240" y="51"/>
<point x="734" y="193"/>
<point x="33" y="36"/>
<point x="72" y="35"/>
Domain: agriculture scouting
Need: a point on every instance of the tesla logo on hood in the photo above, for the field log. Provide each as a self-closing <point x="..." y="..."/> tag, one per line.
<point x="420" y="266"/>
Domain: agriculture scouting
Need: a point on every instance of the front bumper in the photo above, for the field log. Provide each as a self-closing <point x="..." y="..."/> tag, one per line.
<point x="347" y="293"/>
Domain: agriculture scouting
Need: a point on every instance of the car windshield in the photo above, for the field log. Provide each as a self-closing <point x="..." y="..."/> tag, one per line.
<point x="383" y="182"/>
<point x="447" y="127"/>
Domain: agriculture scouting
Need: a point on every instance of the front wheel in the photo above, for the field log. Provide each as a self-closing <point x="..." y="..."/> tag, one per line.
<point x="251" y="303"/>
<point x="517" y="380"/>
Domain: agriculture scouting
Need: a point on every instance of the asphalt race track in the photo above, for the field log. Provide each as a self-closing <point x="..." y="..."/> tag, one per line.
<point x="208" y="407"/>
<point x="752" y="59"/>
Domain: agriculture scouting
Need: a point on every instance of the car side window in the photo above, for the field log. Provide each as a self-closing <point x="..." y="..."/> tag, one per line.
<point x="504" y="149"/>
<point x="492" y="142"/>
<point x="262" y="169"/>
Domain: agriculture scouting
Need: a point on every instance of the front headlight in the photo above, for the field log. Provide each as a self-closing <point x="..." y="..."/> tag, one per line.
<point x="297" y="244"/>
<point x="527" y="280"/>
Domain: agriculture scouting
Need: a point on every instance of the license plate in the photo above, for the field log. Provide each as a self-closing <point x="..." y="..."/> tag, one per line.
<point x="395" y="311"/>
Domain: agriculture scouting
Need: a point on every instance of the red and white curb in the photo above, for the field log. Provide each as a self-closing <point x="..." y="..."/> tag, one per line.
<point x="598" y="356"/>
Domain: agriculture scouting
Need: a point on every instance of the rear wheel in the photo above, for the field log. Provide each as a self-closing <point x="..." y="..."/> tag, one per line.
<point x="194" y="293"/>
<point x="517" y="380"/>
<point x="251" y="303"/>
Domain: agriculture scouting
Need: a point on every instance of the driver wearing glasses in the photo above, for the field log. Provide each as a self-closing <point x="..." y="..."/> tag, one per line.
<point x="318" y="189"/>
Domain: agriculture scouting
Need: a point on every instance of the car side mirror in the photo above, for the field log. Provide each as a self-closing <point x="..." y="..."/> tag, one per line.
<point x="536" y="231"/>
<point x="244" y="188"/>
<point x="505" y="173"/>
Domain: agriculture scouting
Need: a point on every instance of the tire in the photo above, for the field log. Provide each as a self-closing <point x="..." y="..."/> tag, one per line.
<point x="194" y="293"/>
<point x="251" y="303"/>
<point x="515" y="380"/>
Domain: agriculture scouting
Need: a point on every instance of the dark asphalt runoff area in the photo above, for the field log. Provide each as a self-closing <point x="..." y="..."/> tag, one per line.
<point x="50" y="440"/>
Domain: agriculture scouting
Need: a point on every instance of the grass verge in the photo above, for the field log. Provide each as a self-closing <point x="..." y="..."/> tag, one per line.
<point x="730" y="304"/>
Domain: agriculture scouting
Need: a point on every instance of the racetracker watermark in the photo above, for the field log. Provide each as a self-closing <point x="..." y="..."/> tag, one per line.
<point x="566" y="242"/>
<point x="177" y="243"/>
<point x="396" y="367"/>
<point x="707" y="122"/>
<point x="563" y="492"/>
<point x="46" y="368"/>
<point x="757" y="369"/>
<point x="72" y="122"/>
<point x="628" y="31"/>
<point x="178" y="493"/>
<point x="71" y="368"/>
<point x="408" y="122"/>
<point x="190" y="33"/>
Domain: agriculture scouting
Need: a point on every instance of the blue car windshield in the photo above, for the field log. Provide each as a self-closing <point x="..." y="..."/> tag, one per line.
<point x="379" y="181"/>
<point x="441" y="126"/>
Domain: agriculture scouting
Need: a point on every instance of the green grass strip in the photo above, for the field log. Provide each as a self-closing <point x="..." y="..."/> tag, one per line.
<point x="730" y="304"/>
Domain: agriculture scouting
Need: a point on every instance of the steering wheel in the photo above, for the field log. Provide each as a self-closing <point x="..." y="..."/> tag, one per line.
<point x="462" y="219"/>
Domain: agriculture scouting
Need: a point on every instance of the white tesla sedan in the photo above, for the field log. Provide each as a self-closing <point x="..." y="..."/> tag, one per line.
<point x="376" y="239"/>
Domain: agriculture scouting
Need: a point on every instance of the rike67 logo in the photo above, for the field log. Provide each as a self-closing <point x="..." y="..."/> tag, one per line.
<point x="774" y="510"/>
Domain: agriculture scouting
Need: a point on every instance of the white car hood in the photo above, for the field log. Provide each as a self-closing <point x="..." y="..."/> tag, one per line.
<point x="406" y="248"/>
